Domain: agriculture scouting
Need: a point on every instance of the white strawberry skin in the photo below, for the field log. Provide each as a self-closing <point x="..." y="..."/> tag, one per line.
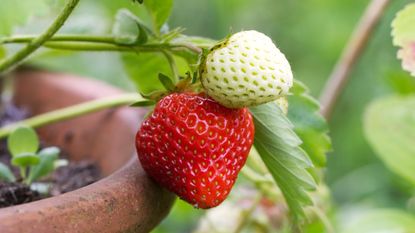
<point x="246" y="70"/>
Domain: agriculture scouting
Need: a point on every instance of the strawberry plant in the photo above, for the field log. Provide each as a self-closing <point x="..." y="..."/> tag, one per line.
<point x="23" y="145"/>
<point x="222" y="113"/>
<point x="200" y="133"/>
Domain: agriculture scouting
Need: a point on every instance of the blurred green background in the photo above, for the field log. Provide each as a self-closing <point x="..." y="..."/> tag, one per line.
<point x="312" y="34"/>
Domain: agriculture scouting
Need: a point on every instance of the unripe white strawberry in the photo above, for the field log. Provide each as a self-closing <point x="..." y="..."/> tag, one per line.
<point x="245" y="70"/>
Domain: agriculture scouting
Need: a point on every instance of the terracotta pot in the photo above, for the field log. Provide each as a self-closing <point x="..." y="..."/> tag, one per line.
<point x="125" y="200"/>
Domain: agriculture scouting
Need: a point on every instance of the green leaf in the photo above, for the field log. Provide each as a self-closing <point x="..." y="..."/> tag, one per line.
<point x="309" y="125"/>
<point x="403" y="33"/>
<point x="6" y="174"/>
<point x="389" y="126"/>
<point x="159" y="11"/>
<point x="380" y="220"/>
<point x="144" y="68"/>
<point x="47" y="156"/>
<point x="166" y="81"/>
<point x="128" y="29"/>
<point x="25" y="159"/>
<point x="15" y="13"/>
<point x="279" y="148"/>
<point x="23" y="140"/>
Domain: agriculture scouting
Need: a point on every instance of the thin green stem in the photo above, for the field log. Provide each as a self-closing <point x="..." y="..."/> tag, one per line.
<point x="37" y="42"/>
<point x="92" y="42"/>
<point x="67" y="38"/>
<point x="73" y="111"/>
<point x="23" y="172"/>
<point x="82" y="46"/>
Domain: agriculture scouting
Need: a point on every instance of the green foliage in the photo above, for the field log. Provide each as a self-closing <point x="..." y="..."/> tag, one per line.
<point x="403" y="32"/>
<point x="128" y="29"/>
<point x="15" y="13"/>
<point x="46" y="165"/>
<point x="6" y="174"/>
<point x="166" y="82"/>
<point x="25" y="160"/>
<point x="279" y="148"/>
<point x="143" y="70"/>
<point x="23" y="140"/>
<point x="389" y="125"/>
<point x="309" y="125"/>
<point x="381" y="220"/>
<point x="159" y="11"/>
<point x="23" y="144"/>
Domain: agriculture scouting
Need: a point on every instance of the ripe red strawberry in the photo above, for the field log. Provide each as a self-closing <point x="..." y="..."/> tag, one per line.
<point x="195" y="147"/>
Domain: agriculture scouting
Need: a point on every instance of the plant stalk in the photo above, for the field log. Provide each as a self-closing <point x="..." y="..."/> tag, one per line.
<point x="73" y="111"/>
<point x="23" y="172"/>
<point x="85" y="46"/>
<point x="93" y="42"/>
<point x="350" y="55"/>
<point x="67" y="38"/>
<point x="37" y="42"/>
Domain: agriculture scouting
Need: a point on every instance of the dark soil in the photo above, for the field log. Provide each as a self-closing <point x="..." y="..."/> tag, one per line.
<point x="16" y="193"/>
<point x="64" y="179"/>
<point x="74" y="176"/>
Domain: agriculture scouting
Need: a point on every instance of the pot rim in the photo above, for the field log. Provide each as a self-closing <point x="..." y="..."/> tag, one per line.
<point x="126" y="200"/>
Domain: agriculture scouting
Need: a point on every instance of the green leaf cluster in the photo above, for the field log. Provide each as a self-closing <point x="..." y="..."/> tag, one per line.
<point x="279" y="148"/>
<point x="144" y="68"/>
<point x="159" y="11"/>
<point x="23" y="145"/>
<point x="309" y="124"/>
<point x="292" y="146"/>
<point x="129" y="29"/>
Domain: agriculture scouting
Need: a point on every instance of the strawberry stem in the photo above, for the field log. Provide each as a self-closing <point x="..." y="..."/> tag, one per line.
<point x="99" y="43"/>
<point x="73" y="111"/>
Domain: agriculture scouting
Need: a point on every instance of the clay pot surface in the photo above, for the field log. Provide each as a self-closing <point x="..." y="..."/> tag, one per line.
<point x="126" y="200"/>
